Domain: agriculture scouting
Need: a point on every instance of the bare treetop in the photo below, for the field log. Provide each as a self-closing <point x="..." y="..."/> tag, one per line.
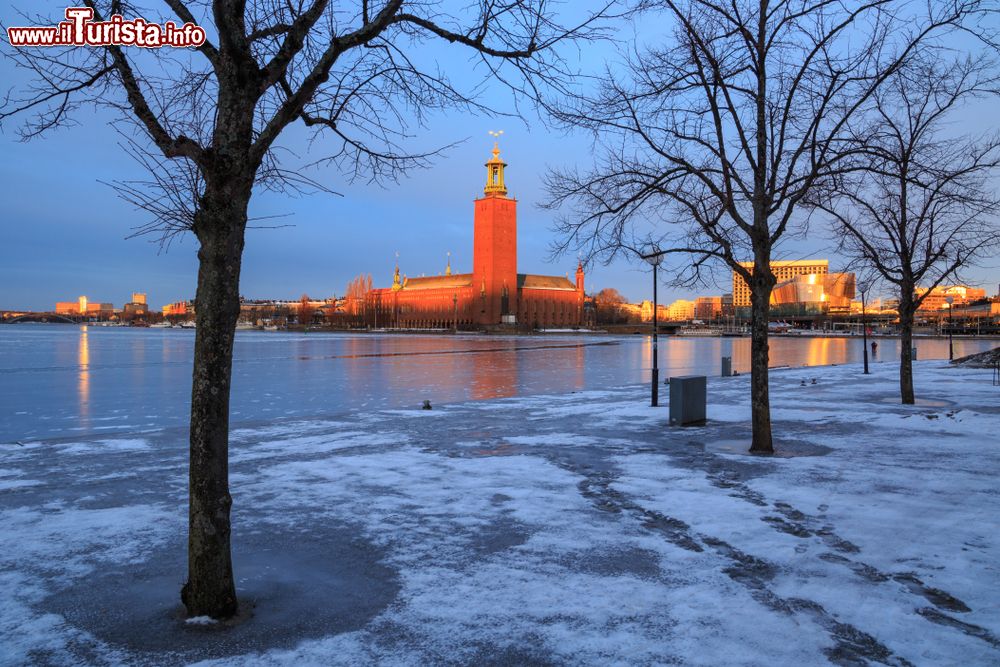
<point x="921" y="205"/>
<point x="726" y="125"/>
<point x="353" y="72"/>
<point x="304" y="65"/>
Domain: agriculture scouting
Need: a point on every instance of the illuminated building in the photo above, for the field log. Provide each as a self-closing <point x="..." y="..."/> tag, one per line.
<point x="783" y="271"/>
<point x="682" y="309"/>
<point x="83" y="306"/>
<point x="494" y="292"/>
<point x="961" y="294"/>
<point x="179" y="308"/>
<point x="707" y="307"/>
<point x="646" y="311"/>
<point x="136" y="307"/>
<point x="814" y="294"/>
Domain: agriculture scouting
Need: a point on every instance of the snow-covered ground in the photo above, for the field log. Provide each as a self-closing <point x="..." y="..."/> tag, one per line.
<point x="567" y="529"/>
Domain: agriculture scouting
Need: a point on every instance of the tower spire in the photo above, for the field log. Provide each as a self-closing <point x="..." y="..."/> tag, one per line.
<point x="494" y="170"/>
<point x="447" y="269"/>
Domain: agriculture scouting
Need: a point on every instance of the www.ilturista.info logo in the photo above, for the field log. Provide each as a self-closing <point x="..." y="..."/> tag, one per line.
<point x="79" y="29"/>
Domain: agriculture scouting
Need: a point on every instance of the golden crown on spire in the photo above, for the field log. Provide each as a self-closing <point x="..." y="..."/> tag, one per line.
<point x="494" y="169"/>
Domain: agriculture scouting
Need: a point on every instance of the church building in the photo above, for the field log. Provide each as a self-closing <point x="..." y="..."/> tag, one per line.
<point x="494" y="293"/>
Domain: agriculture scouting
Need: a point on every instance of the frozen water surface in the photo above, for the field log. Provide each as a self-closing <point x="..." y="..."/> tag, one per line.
<point x="571" y="528"/>
<point x="60" y="381"/>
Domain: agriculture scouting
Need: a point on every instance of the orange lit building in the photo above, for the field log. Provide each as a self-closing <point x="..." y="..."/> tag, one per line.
<point x="178" y="308"/>
<point x="494" y="293"/>
<point x="814" y="293"/>
<point x="708" y="307"/>
<point x="961" y="294"/>
<point x="783" y="271"/>
<point x="83" y="306"/>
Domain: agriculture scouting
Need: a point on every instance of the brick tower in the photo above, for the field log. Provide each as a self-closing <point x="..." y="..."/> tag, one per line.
<point x="494" y="258"/>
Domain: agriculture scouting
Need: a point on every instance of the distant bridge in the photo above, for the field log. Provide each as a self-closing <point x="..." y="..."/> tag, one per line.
<point x="41" y="317"/>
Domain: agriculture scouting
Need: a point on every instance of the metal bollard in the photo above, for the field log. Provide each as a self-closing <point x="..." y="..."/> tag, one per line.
<point x="727" y="366"/>
<point x="913" y="353"/>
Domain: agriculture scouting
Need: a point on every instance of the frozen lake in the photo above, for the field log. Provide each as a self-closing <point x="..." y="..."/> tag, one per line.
<point x="59" y="381"/>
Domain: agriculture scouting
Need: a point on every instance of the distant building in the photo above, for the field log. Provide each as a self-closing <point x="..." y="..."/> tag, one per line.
<point x="631" y="312"/>
<point x="86" y="307"/>
<point x="137" y="307"/>
<point x="783" y="271"/>
<point x="937" y="299"/>
<point x="708" y="307"/>
<point x="494" y="292"/>
<point x="814" y="294"/>
<point x="131" y="310"/>
<point x="178" y="308"/>
<point x="646" y="311"/>
<point x="682" y="309"/>
<point x="727" y="305"/>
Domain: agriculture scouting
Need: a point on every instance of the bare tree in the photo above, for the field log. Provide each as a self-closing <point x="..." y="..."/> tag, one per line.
<point x="609" y="302"/>
<point x="356" y="298"/>
<point x="305" y="314"/>
<point x="721" y="132"/>
<point x="922" y="205"/>
<point x="357" y="73"/>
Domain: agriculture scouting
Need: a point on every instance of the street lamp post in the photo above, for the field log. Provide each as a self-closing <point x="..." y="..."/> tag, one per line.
<point x="655" y="258"/>
<point x="951" y="349"/>
<point x="863" y="288"/>
<point x="454" y="300"/>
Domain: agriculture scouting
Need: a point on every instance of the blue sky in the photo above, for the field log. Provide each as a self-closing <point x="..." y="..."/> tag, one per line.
<point x="62" y="231"/>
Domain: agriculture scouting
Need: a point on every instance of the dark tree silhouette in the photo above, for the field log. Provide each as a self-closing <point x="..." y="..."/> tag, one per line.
<point x="707" y="143"/>
<point x="353" y="71"/>
<point x="922" y="203"/>
<point x="609" y="302"/>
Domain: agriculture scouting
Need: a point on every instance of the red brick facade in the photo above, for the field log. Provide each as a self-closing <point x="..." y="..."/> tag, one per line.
<point x="494" y="293"/>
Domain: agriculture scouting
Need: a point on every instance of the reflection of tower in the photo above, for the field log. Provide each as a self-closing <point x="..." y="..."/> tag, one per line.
<point x="501" y="381"/>
<point x="494" y="261"/>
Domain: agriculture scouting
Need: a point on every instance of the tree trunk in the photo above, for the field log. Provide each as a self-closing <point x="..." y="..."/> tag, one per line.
<point x="219" y="225"/>
<point x="906" y="354"/>
<point x="760" y="401"/>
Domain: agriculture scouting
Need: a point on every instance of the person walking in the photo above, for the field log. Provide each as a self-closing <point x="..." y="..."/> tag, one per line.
<point x="874" y="348"/>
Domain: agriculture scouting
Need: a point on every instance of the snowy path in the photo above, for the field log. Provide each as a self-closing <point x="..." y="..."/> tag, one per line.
<point x="571" y="529"/>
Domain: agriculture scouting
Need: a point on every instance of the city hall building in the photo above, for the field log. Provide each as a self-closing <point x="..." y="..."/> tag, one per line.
<point x="494" y="293"/>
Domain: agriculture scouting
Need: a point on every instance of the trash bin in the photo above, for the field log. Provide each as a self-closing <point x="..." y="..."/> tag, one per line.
<point x="913" y="353"/>
<point x="687" y="399"/>
<point x="727" y="366"/>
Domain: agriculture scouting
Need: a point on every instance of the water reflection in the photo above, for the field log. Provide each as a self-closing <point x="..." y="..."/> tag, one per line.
<point x="60" y="380"/>
<point x="83" y="380"/>
<point x="496" y="375"/>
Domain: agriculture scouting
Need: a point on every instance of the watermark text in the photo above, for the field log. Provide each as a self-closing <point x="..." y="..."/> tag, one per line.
<point x="80" y="29"/>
